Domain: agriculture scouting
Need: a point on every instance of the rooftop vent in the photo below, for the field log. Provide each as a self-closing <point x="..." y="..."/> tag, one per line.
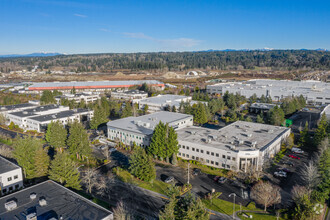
<point x="249" y="135"/>
<point x="33" y="196"/>
<point x="25" y="113"/>
<point x="42" y="202"/>
<point x="31" y="216"/>
<point x="11" y="205"/>
<point x="53" y="116"/>
<point x="270" y="131"/>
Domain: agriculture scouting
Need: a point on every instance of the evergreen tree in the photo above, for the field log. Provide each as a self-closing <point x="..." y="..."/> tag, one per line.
<point x="260" y="119"/>
<point x="78" y="140"/>
<point x="145" y="109"/>
<point x="127" y="111"/>
<point x="321" y="131"/>
<point x="42" y="161"/>
<point x="304" y="139"/>
<point x="141" y="165"/>
<point x="157" y="143"/>
<point x="171" y="142"/>
<point x="276" y="116"/>
<point x="64" y="170"/>
<point x="169" y="211"/>
<point x="200" y="114"/>
<point x="56" y="135"/>
<point x="100" y="117"/>
<point x="47" y="97"/>
<point x="24" y="153"/>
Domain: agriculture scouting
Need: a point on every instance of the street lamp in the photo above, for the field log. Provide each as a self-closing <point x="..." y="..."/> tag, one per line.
<point x="233" y="194"/>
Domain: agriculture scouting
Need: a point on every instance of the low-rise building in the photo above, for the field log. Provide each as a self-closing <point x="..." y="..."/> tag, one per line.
<point x="50" y="200"/>
<point x="40" y="123"/>
<point x="258" y="108"/>
<point x="5" y="109"/>
<point x="326" y="111"/>
<point x="240" y="146"/>
<point x="11" y="177"/>
<point x="164" y="102"/>
<point x="78" y="97"/>
<point x="140" y="129"/>
<point x="129" y="94"/>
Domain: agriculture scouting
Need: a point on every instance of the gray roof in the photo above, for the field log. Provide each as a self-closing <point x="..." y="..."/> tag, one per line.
<point x="59" y="115"/>
<point x="130" y="92"/>
<point x="239" y="135"/>
<point x="61" y="202"/>
<point x="93" y="83"/>
<point x="146" y="124"/>
<point x="13" y="107"/>
<point x="262" y="105"/>
<point x="34" y="111"/>
<point x="6" y="166"/>
<point x="163" y="99"/>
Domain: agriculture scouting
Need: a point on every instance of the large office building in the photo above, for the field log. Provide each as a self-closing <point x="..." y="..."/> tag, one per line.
<point x="39" y="117"/>
<point x="315" y="92"/>
<point x="50" y="200"/>
<point x="163" y="102"/>
<point x="5" y="109"/>
<point x="240" y="146"/>
<point x="129" y="94"/>
<point x="92" y="86"/>
<point x="140" y="129"/>
<point x="11" y="177"/>
<point x="78" y="97"/>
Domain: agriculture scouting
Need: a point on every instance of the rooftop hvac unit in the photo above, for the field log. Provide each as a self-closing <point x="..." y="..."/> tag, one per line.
<point x="31" y="216"/>
<point x="42" y="202"/>
<point x="270" y="131"/>
<point x="249" y="135"/>
<point x="25" y="113"/>
<point x="33" y="196"/>
<point x="11" y="205"/>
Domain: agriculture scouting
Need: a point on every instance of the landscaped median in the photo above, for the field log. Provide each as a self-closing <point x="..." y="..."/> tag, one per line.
<point x="156" y="185"/>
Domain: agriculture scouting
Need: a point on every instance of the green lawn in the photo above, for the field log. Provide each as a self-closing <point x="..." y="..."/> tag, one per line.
<point x="204" y="168"/>
<point x="226" y="207"/>
<point x="259" y="216"/>
<point x="156" y="185"/>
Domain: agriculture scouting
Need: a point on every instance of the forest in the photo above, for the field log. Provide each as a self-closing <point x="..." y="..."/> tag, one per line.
<point x="281" y="60"/>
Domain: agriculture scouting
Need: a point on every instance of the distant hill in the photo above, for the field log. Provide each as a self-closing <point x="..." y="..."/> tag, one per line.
<point x="40" y="54"/>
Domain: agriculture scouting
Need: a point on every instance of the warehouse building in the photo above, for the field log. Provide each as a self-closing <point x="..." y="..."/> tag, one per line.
<point x="140" y="129"/>
<point x="92" y="86"/>
<point x="11" y="177"/>
<point x="315" y="92"/>
<point x="129" y="94"/>
<point x="50" y="200"/>
<point x="240" y="146"/>
<point x="164" y="102"/>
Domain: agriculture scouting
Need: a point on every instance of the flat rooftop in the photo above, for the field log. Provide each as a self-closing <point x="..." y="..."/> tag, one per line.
<point x="146" y="124"/>
<point x="36" y="110"/>
<point x="6" y="166"/>
<point x="161" y="99"/>
<point x="61" y="202"/>
<point x="238" y="136"/>
<point x="130" y="92"/>
<point x="262" y="105"/>
<point x="91" y="84"/>
<point x="59" y="115"/>
<point x="13" y="107"/>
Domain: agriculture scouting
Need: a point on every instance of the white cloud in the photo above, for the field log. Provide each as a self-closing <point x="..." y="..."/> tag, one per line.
<point x="169" y="43"/>
<point x="80" y="15"/>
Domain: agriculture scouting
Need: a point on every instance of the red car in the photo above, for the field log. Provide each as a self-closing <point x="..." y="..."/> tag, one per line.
<point x="216" y="178"/>
<point x="293" y="156"/>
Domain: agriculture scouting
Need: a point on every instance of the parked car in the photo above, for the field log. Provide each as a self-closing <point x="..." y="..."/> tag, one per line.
<point x="169" y="179"/>
<point x="288" y="163"/>
<point x="280" y="174"/>
<point x="222" y="180"/>
<point x="294" y="157"/>
<point x="297" y="150"/>
<point x="216" y="178"/>
<point x="196" y="171"/>
<point x="286" y="170"/>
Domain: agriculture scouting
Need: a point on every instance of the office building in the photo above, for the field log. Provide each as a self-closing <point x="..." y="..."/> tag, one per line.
<point x="11" y="177"/>
<point x="78" y="97"/>
<point x="129" y="94"/>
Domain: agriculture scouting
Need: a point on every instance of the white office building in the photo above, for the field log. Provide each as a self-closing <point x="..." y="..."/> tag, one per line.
<point x="5" y="109"/>
<point x="78" y="97"/>
<point x="11" y="177"/>
<point x="315" y="92"/>
<point x="129" y="94"/>
<point x="140" y="129"/>
<point x="240" y="146"/>
<point x="163" y="102"/>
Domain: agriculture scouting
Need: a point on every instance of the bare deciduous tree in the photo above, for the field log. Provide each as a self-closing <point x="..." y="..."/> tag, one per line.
<point x="90" y="178"/>
<point x="298" y="192"/>
<point x="103" y="186"/>
<point x="323" y="145"/>
<point x="266" y="194"/>
<point x="5" y="151"/>
<point x="121" y="213"/>
<point x="309" y="174"/>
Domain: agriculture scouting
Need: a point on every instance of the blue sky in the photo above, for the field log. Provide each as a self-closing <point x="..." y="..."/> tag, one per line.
<point x="81" y="26"/>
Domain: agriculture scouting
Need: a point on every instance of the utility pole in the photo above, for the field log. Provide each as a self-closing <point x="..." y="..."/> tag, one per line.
<point x="188" y="172"/>
<point x="233" y="194"/>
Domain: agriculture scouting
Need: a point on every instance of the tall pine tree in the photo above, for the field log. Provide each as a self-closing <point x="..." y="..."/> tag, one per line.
<point x="78" y="140"/>
<point x="56" y="136"/>
<point x="42" y="161"/>
<point x="141" y="165"/>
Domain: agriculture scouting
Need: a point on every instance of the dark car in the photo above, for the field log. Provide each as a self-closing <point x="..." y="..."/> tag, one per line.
<point x="216" y="178"/>
<point x="222" y="179"/>
<point x="169" y="179"/>
<point x="196" y="171"/>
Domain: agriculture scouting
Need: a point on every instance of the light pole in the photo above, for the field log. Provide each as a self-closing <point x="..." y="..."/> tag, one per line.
<point x="233" y="194"/>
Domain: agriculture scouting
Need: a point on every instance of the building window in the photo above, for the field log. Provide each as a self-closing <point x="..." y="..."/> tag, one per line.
<point x="202" y="159"/>
<point x="193" y="157"/>
<point x="10" y="188"/>
<point x="202" y="151"/>
<point x="193" y="149"/>
<point x="207" y="152"/>
<point x="212" y="153"/>
<point x="9" y="179"/>
<point x="212" y="162"/>
<point x="228" y="157"/>
<point x="16" y="186"/>
<point x="4" y="190"/>
<point x="187" y="148"/>
<point x="187" y="155"/>
<point x="184" y="147"/>
<point x="197" y="158"/>
<point x="223" y="165"/>
<point x="228" y="166"/>
<point x="224" y="156"/>
<point x="216" y="163"/>
<point x="15" y="177"/>
<point x="179" y="154"/>
<point x="217" y="155"/>
<point x="183" y="155"/>
<point x="233" y="158"/>
<point x="197" y="150"/>
<point x="207" y="161"/>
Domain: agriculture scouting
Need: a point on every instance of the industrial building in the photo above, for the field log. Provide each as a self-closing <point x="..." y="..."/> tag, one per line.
<point x="11" y="177"/>
<point x="258" y="108"/>
<point x="240" y="146"/>
<point x="129" y="94"/>
<point x="315" y="92"/>
<point x="164" y="102"/>
<point x="140" y="129"/>
<point x="91" y="86"/>
<point x="50" y="200"/>
<point x="86" y="97"/>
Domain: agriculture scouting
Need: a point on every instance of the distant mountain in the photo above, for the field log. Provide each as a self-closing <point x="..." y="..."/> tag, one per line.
<point x="262" y="49"/>
<point x="40" y="54"/>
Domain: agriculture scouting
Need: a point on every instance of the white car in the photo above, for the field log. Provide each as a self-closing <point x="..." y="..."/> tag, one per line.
<point x="297" y="150"/>
<point x="280" y="174"/>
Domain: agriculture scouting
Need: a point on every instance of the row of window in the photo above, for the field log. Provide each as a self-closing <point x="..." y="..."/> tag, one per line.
<point x="202" y="160"/>
<point x="126" y="135"/>
<point x="207" y="152"/>
<point x="10" y="178"/>
<point x="10" y="188"/>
